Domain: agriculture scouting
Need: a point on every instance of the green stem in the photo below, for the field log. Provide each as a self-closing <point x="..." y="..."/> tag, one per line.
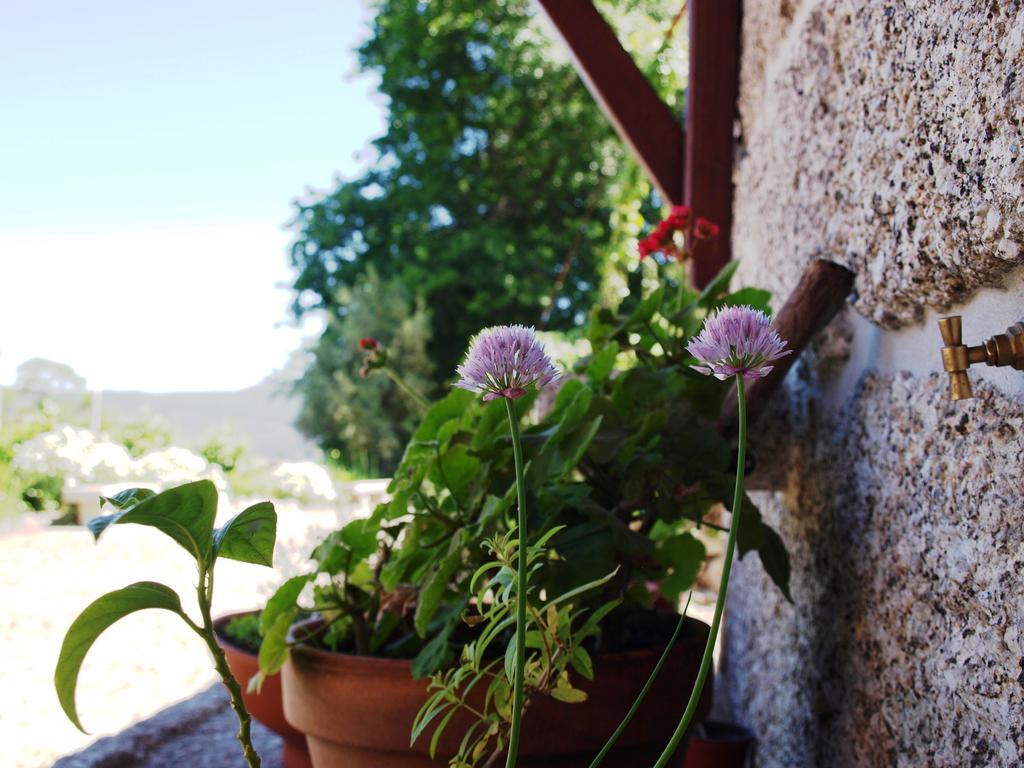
<point x="647" y="687"/>
<point x="521" y="584"/>
<point x="705" y="662"/>
<point x="205" y="593"/>
<point x="421" y="401"/>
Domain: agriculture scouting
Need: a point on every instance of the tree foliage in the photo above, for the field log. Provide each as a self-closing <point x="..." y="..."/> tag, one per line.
<point x="490" y="178"/>
<point x="364" y="422"/>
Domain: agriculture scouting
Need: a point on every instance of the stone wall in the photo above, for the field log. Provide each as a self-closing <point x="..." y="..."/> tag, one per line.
<point x="886" y="137"/>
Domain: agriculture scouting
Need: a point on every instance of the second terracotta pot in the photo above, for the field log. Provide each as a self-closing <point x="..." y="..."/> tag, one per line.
<point x="357" y="712"/>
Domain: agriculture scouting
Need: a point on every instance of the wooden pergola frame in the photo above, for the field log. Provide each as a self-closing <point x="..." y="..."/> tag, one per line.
<point x="688" y="167"/>
<point x="694" y="166"/>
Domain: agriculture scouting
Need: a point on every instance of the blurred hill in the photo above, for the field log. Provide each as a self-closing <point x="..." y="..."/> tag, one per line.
<point x="261" y="417"/>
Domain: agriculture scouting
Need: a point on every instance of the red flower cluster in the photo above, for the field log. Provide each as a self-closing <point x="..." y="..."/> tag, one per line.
<point x="680" y="219"/>
<point x="368" y="344"/>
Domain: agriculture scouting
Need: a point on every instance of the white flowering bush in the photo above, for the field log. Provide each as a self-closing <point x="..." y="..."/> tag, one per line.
<point x="75" y="454"/>
<point x="303" y="480"/>
<point x="174" y="466"/>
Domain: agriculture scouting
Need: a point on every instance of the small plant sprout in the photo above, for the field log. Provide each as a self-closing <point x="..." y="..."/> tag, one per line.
<point x="736" y="342"/>
<point x="185" y="514"/>
<point x="504" y="362"/>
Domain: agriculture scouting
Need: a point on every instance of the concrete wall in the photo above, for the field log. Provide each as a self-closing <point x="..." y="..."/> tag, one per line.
<point x="886" y="136"/>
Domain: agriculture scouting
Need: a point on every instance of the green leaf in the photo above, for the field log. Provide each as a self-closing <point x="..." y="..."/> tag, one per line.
<point x="451" y="406"/>
<point x="249" y="536"/>
<point x="510" y="658"/>
<point x="439" y="730"/>
<point x="435" y="654"/>
<point x="719" y="284"/>
<point x="645" y="310"/>
<point x="128" y="498"/>
<point x="563" y="691"/>
<point x="285" y="598"/>
<point x="92" y="622"/>
<point x="185" y="514"/>
<point x="460" y="473"/>
<point x="274" y="648"/>
<point x="755" y="298"/>
<point x="775" y="559"/>
<point x="360" y="536"/>
<point x="582" y="589"/>
<point x="683" y="555"/>
<point x="582" y="663"/>
<point x="602" y="363"/>
<point x="434" y="587"/>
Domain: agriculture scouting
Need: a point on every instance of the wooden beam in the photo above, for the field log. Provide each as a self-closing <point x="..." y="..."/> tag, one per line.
<point x="640" y="117"/>
<point x="819" y="295"/>
<point x="711" y="95"/>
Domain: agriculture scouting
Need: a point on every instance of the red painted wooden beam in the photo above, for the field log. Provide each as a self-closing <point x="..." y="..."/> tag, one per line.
<point x="711" y="96"/>
<point x="640" y="117"/>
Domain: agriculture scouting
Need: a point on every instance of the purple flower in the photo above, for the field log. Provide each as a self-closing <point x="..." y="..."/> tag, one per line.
<point x="503" y="361"/>
<point x="737" y="341"/>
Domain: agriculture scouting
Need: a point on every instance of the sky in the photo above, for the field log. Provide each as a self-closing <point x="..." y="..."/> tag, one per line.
<point x="149" y="156"/>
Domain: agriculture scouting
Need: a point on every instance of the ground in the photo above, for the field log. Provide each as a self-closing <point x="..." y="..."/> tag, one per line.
<point x="140" y="665"/>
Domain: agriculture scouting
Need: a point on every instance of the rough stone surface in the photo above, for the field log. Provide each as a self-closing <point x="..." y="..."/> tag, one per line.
<point x="887" y="137"/>
<point x="197" y="732"/>
<point x="903" y="516"/>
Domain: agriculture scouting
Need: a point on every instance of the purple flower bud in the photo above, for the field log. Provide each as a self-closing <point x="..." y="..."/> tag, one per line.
<point x="504" y="361"/>
<point x="737" y="341"/>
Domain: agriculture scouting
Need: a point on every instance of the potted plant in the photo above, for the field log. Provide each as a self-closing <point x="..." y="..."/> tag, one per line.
<point x="238" y="635"/>
<point x="619" y="471"/>
<point x="186" y="515"/>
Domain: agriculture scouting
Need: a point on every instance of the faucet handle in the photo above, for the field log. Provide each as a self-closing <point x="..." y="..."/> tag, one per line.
<point x="955" y="358"/>
<point x="1003" y="349"/>
<point x="952" y="330"/>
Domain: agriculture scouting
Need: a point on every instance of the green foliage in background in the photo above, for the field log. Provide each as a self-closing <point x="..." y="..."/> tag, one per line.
<point x="491" y="174"/>
<point x="499" y="192"/>
<point x="362" y="423"/>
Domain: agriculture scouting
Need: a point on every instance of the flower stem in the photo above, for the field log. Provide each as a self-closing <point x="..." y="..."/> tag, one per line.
<point x="521" y="583"/>
<point x="421" y="401"/>
<point x="205" y="594"/>
<point x="705" y="662"/>
<point x="643" y="691"/>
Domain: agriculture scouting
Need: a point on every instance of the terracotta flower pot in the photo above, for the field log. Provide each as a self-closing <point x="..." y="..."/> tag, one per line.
<point x="357" y="712"/>
<point x="264" y="706"/>
<point x="719" y="745"/>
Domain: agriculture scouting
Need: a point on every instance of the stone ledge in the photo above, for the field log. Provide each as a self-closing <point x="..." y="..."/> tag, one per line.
<point x="197" y="732"/>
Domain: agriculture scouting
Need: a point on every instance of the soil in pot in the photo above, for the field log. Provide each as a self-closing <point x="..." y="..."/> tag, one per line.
<point x="265" y="706"/>
<point x="357" y="711"/>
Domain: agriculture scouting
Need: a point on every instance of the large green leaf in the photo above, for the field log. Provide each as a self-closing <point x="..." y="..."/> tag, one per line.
<point x="602" y="363"/>
<point x="683" y="555"/>
<point x="185" y="513"/>
<point x="433" y="589"/>
<point x="277" y="617"/>
<point x="128" y="498"/>
<point x="92" y="622"/>
<point x="249" y="536"/>
<point x="775" y="559"/>
<point x="719" y="284"/>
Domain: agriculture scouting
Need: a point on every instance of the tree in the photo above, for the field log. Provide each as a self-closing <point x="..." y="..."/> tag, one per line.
<point x="42" y="376"/>
<point x="488" y="196"/>
<point x="364" y="423"/>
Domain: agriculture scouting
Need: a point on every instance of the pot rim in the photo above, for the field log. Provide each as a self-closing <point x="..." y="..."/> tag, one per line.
<point x="221" y="622"/>
<point x="338" y="658"/>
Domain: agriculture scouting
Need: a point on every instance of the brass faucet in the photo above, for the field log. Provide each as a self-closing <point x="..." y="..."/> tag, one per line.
<point x="1001" y="349"/>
